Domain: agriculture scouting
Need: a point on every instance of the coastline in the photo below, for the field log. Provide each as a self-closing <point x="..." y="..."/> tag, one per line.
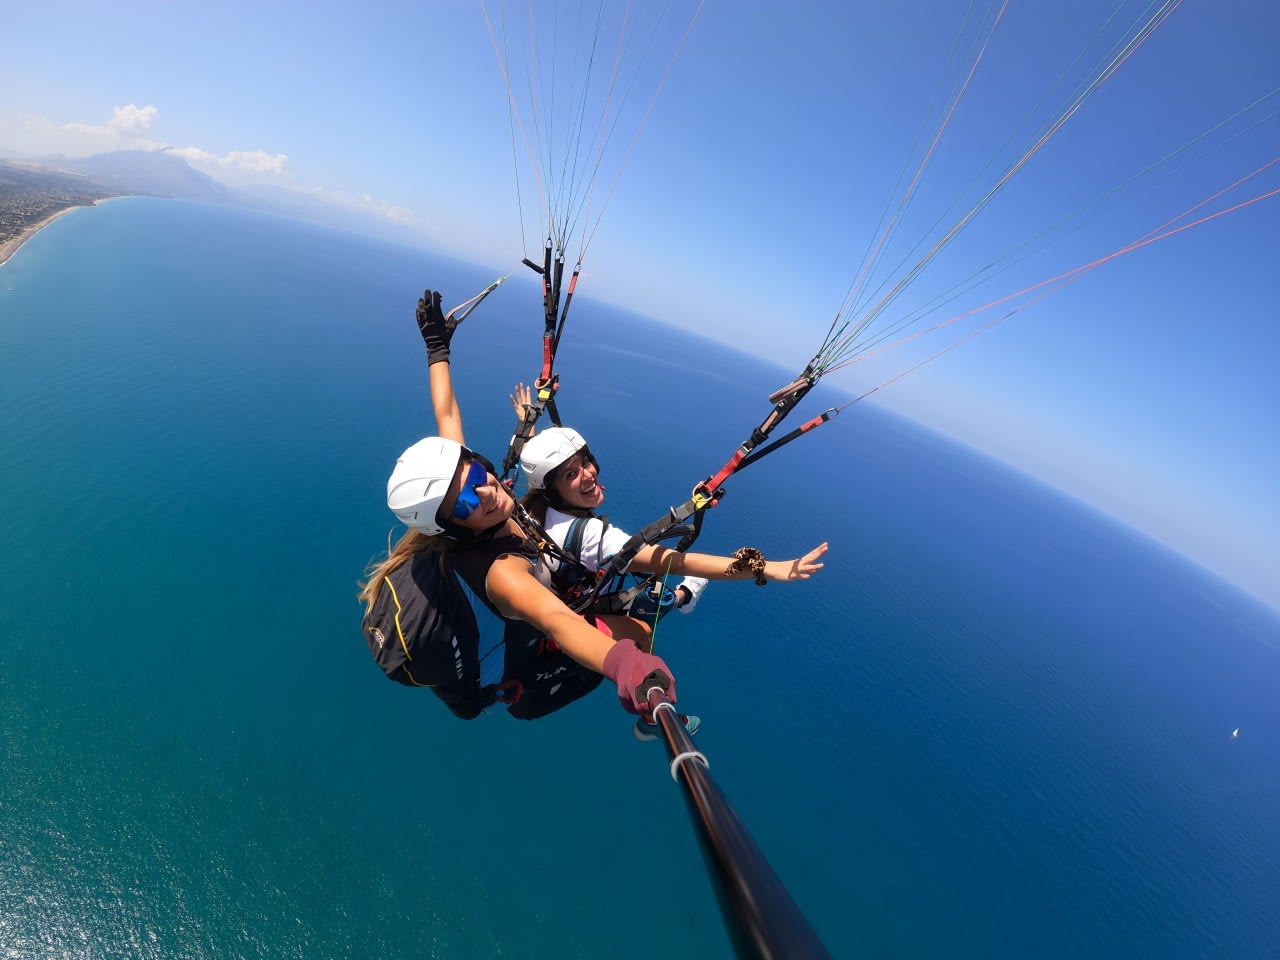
<point x="9" y="247"/>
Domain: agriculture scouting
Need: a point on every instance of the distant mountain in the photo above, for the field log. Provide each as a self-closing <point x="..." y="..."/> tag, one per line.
<point x="31" y="178"/>
<point x="73" y="180"/>
<point x="153" y="173"/>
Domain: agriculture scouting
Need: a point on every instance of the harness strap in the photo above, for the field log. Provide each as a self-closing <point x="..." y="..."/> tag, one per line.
<point x="549" y="549"/>
<point x="784" y="400"/>
<point x="665" y="528"/>
<point x="544" y="399"/>
<point x="577" y="530"/>
<point x="564" y="314"/>
<point x="554" y="317"/>
<point x="573" y="539"/>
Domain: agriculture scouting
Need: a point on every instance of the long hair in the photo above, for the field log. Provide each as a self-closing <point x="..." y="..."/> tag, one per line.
<point x="413" y="544"/>
<point x="536" y="503"/>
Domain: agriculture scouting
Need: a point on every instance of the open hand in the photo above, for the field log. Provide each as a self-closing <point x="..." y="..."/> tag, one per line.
<point x="802" y="568"/>
<point x="520" y="398"/>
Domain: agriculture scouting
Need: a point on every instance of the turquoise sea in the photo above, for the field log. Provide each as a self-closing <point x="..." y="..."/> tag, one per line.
<point x="997" y="725"/>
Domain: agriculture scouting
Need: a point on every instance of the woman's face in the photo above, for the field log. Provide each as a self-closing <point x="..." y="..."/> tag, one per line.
<point x="476" y="500"/>
<point x="577" y="482"/>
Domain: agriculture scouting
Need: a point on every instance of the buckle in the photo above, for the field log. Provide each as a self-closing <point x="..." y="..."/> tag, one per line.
<point x="516" y="685"/>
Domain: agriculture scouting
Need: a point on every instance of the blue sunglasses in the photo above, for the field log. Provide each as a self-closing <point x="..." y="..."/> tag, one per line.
<point x="469" y="497"/>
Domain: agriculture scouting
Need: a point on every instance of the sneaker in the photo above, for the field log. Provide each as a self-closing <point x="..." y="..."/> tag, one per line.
<point x="646" y="731"/>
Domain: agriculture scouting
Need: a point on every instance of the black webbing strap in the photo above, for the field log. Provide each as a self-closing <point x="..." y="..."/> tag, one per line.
<point x="552" y="272"/>
<point x="784" y="401"/>
<point x="543" y="399"/>
<point x="672" y="524"/>
<point x="567" y="566"/>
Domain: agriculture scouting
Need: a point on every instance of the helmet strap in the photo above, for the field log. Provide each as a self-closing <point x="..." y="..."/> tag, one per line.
<point x="465" y="536"/>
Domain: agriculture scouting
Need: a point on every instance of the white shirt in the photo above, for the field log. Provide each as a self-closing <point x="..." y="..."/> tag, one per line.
<point x="600" y="542"/>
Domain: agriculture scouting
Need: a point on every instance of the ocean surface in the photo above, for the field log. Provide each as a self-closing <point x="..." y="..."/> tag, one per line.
<point x="997" y="725"/>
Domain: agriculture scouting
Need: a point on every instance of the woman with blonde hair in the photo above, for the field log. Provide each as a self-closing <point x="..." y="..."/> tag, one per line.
<point x="418" y="622"/>
<point x="464" y="523"/>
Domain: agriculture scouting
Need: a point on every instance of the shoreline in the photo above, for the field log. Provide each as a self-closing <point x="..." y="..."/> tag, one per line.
<point x="9" y="247"/>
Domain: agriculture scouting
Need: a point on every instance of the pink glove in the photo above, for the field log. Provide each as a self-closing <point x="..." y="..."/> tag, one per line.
<point x="635" y="673"/>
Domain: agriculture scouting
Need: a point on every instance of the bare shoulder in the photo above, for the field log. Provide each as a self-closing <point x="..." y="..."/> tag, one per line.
<point x="507" y="570"/>
<point x="512" y="586"/>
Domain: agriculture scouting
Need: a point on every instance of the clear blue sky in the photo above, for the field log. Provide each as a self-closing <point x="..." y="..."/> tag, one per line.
<point x="1148" y="388"/>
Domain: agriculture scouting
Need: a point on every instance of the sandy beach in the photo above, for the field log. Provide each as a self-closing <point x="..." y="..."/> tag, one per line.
<point x="9" y="247"/>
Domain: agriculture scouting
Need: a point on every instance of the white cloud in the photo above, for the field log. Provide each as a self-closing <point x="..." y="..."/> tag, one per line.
<point x="237" y="161"/>
<point x="257" y="161"/>
<point x="194" y="155"/>
<point x="132" y="120"/>
<point x="129" y="128"/>
<point x="127" y="125"/>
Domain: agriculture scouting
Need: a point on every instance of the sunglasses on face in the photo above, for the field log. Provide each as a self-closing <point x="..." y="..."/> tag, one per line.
<point x="469" y="497"/>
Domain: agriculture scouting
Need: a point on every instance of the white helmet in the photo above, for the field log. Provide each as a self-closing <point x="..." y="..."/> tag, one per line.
<point x="545" y="451"/>
<point x="420" y="481"/>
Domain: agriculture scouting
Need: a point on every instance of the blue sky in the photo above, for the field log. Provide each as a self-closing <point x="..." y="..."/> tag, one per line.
<point x="1148" y="387"/>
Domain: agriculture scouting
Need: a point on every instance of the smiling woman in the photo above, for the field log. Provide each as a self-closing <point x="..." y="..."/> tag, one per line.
<point x="460" y="526"/>
<point x="464" y="525"/>
<point x="564" y="493"/>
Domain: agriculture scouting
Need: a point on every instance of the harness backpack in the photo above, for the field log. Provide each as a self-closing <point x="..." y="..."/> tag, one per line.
<point x="422" y="632"/>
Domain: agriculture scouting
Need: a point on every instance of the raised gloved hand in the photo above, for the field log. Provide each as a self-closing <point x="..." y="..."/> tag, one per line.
<point x="435" y="327"/>
<point x="635" y="673"/>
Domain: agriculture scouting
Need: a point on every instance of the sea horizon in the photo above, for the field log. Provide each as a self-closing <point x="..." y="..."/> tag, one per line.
<point x="12" y="248"/>
<point x="999" y="723"/>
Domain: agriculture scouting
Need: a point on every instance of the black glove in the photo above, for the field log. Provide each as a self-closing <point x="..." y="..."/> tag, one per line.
<point x="436" y="330"/>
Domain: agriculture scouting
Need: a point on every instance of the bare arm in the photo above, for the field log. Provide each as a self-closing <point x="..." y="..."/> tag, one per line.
<point x="437" y="332"/>
<point x="445" y="402"/>
<point x="655" y="559"/>
<point x="518" y="595"/>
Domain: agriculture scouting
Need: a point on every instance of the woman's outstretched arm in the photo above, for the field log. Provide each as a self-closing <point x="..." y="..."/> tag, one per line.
<point x="519" y="595"/>
<point x="657" y="559"/>
<point x="437" y="334"/>
<point x="445" y="402"/>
